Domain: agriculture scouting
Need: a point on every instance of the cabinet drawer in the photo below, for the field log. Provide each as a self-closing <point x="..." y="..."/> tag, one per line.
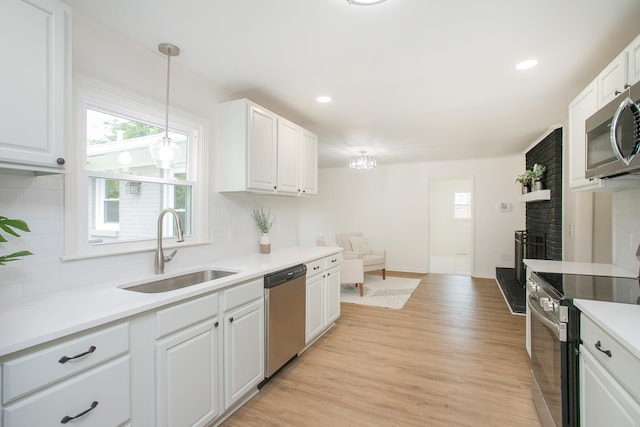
<point x="107" y="384"/>
<point x="244" y="293"/>
<point x="334" y="260"/>
<point x="38" y="369"/>
<point x="182" y="315"/>
<point x="315" y="267"/>
<point x="622" y="365"/>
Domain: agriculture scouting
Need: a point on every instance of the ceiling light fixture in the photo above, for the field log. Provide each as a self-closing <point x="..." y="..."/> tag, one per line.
<point x="362" y="161"/>
<point x="164" y="152"/>
<point x="524" y="65"/>
<point x="365" y="2"/>
<point x="323" y="99"/>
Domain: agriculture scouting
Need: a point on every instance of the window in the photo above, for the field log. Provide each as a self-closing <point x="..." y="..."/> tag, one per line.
<point x="462" y="206"/>
<point x="118" y="183"/>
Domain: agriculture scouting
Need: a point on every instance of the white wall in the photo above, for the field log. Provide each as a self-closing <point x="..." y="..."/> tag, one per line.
<point x="448" y="236"/>
<point x="115" y="62"/>
<point x="390" y="204"/>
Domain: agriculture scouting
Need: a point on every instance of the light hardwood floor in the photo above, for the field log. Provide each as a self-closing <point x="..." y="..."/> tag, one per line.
<point x="454" y="356"/>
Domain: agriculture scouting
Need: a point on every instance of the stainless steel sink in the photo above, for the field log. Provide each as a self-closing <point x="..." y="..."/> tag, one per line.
<point x="179" y="282"/>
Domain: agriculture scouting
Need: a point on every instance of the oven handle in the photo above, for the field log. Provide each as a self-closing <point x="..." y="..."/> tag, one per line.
<point x="536" y="311"/>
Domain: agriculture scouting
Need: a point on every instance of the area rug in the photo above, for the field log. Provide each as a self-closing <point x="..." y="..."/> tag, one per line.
<point x="393" y="292"/>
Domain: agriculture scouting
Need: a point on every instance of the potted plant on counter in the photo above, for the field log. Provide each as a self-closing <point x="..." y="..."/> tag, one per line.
<point x="536" y="176"/>
<point x="9" y="226"/>
<point x="264" y="221"/>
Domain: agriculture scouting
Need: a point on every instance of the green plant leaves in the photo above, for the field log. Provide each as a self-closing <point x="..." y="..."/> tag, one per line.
<point x="13" y="257"/>
<point x="7" y="225"/>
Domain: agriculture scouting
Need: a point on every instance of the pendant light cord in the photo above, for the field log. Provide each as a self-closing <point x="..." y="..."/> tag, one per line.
<point x="166" y="118"/>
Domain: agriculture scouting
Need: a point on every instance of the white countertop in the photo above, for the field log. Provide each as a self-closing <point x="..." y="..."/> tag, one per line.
<point x="618" y="320"/>
<point x="570" y="267"/>
<point x="36" y="320"/>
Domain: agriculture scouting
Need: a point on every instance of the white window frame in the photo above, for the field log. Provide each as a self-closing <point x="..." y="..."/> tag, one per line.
<point x="469" y="206"/>
<point x="91" y="94"/>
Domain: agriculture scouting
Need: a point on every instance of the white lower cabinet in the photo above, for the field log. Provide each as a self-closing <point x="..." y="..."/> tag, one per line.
<point x="243" y="322"/>
<point x="323" y="295"/>
<point x="609" y="380"/>
<point x="188" y="376"/>
<point x="83" y="380"/>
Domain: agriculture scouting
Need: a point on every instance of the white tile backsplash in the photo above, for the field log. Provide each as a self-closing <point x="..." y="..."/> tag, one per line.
<point x="626" y="228"/>
<point x="39" y="200"/>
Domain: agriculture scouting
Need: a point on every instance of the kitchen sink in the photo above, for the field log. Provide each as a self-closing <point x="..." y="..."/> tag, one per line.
<point x="179" y="282"/>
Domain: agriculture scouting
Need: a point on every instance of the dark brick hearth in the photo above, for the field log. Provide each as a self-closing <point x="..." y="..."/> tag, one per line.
<point x="545" y="217"/>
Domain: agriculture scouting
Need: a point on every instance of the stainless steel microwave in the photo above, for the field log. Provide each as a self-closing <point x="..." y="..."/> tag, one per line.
<point x="613" y="137"/>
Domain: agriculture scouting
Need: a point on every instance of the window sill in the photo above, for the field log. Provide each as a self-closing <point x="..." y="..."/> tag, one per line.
<point x="147" y="248"/>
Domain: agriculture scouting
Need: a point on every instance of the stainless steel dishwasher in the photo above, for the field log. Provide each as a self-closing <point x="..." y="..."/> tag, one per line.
<point x="285" y="309"/>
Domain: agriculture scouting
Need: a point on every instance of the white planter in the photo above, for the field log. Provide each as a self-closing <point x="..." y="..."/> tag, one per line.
<point x="265" y="244"/>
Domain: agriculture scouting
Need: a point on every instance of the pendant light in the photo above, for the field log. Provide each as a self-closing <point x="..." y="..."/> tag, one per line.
<point x="365" y="2"/>
<point x="362" y="161"/>
<point x="165" y="152"/>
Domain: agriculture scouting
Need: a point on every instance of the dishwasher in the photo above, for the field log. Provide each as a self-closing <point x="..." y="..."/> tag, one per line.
<point x="285" y="309"/>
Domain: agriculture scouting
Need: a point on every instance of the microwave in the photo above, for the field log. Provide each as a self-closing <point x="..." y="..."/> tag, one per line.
<point x="613" y="137"/>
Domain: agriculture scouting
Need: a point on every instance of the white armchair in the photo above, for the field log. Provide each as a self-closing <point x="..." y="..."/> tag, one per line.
<point x="355" y="246"/>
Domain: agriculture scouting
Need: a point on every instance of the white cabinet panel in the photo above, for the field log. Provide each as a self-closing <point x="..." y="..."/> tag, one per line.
<point x="243" y="350"/>
<point x="332" y="297"/>
<point x="261" y="156"/>
<point x="633" y="58"/>
<point x="35" y="84"/>
<point x="188" y="376"/>
<point x="315" y="307"/>
<point x="288" y="156"/>
<point x="583" y="106"/>
<point x="612" y="80"/>
<point x="309" y="163"/>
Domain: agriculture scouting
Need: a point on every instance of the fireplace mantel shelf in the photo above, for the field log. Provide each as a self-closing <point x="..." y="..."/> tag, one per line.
<point x="536" y="196"/>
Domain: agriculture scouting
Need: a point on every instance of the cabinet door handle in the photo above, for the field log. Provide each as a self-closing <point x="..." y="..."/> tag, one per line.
<point x="60" y="161"/>
<point x="231" y="320"/>
<point x="65" y="359"/>
<point x="617" y="92"/>
<point x="317" y="267"/>
<point x="599" y="348"/>
<point x="67" y="418"/>
<point x="215" y="325"/>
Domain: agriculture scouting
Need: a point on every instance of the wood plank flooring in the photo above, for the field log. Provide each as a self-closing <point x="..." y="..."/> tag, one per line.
<point x="454" y="356"/>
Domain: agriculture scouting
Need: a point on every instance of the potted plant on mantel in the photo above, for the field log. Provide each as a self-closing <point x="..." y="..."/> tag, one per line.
<point x="264" y="221"/>
<point x="536" y="176"/>
<point x="525" y="181"/>
<point x="9" y="226"/>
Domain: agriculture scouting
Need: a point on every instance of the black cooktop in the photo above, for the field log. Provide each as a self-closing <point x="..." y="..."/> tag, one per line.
<point x="599" y="288"/>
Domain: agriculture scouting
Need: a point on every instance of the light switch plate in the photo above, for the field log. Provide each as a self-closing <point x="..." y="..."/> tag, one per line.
<point x="503" y="207"/>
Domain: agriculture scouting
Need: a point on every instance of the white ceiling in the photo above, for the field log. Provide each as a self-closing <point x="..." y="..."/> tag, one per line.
<point x="411" y="80"/>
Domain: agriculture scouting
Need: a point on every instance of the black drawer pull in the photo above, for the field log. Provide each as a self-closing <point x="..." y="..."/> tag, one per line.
<point x="65" y="359"/>
<point x="67" y="418"/>
<point x="316" y="267"/>
<point x="599" y="348"/>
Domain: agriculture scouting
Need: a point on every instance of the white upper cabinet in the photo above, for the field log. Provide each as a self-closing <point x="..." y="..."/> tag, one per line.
<point x="288" y="156"/>
<point x="633" y="61"/>
<point x="309" y="163"/>
<point x="258" y="151"/>
<point x="35" y="84"/>
<point x="612" y="80"/>
<point x="583" y="106"/>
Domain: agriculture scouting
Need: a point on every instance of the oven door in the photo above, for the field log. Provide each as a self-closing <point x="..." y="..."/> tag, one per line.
<point x="546" y="363"/>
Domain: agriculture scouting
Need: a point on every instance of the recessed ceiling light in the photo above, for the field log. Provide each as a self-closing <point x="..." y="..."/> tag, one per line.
<point x="323" y="99"/>
<point x="524" y="65"/>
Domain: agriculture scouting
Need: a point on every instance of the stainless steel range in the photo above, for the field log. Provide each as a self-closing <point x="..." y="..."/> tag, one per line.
<point x="555" y="337"/>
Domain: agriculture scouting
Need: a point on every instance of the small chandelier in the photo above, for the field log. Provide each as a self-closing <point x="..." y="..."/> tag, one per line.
<point x="362" y="161"/>
<point x="365" y="2"/>
<point x="164" y="152"/>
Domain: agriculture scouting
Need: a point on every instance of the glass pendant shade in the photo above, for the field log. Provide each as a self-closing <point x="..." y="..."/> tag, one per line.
<point x="164" y="153"/>
<point x="362" y="161"/>
<point x="365" y="2"/>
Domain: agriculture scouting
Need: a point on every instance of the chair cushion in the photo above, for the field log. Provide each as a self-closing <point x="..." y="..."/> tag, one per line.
<point x="360" y="245"/>
<point x="372" y="260"/>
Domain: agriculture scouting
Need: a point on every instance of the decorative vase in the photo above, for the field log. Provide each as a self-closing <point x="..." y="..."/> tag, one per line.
<point x="537" y="186"/>
<point x="265" y="244"/>
<point x="525" y="188"/>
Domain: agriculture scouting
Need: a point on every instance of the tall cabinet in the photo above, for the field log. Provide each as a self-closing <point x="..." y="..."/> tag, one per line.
<point x="35" y="83"/>
<point x="259" y="151"/>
